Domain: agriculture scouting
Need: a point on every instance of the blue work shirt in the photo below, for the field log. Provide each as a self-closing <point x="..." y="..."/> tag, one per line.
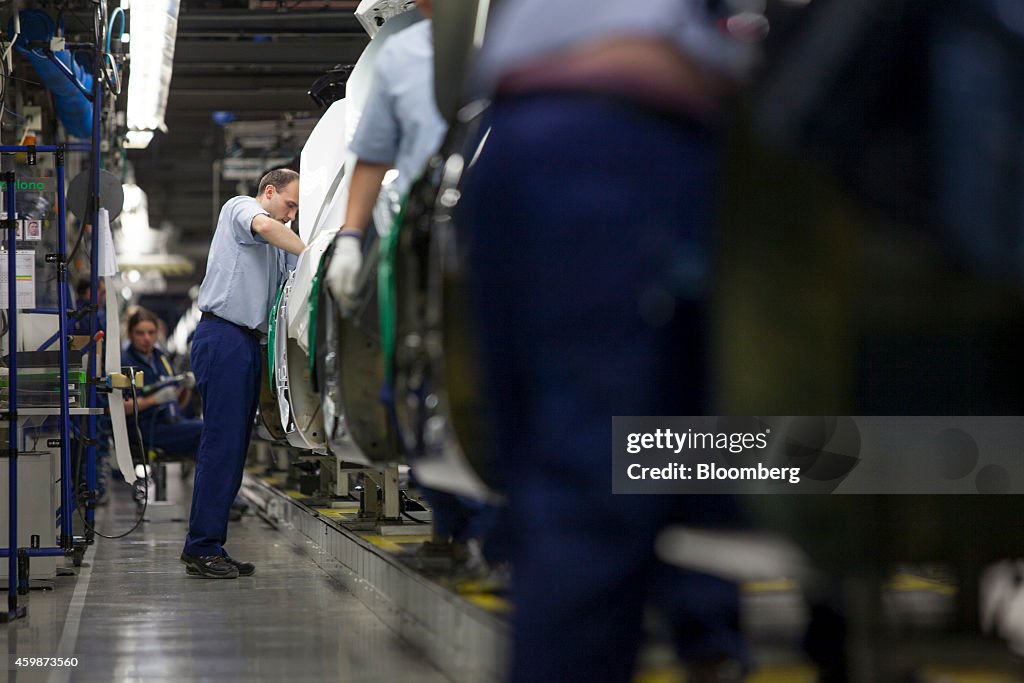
<point x="400" y="123"/>
<point x="243" y="271"/>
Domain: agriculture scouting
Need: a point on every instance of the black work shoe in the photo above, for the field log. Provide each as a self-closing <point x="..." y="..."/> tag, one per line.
<point x="209" y="566"/>
<point x="244" y="568"/>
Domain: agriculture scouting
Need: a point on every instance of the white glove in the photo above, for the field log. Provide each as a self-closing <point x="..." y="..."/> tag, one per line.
<point x="188" y="380"/>
<point x="166" y="395"/>
<point x="344" y="269"/>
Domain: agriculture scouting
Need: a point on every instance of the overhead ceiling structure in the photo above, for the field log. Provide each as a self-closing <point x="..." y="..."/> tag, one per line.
<point x="239" y="61"/>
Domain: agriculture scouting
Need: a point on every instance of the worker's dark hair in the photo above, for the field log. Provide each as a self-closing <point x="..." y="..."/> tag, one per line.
<point x="279" y="178"/>
<point x="83" y="287"/>
<point x="142" y="315"/>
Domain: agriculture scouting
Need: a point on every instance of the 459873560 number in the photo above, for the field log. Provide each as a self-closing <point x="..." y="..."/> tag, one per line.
<point x="59" y="662"/>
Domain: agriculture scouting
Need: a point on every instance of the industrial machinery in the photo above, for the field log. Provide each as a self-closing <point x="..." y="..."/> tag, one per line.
<point x="367" y="387"/>
<point x="325" y="390"/>
<point x="61" y="82"/>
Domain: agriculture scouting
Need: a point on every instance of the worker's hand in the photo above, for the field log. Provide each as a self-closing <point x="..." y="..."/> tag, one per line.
<point x="188" y="380"/>
<point x="168" y="394"/>
<point x="344" y="269"/>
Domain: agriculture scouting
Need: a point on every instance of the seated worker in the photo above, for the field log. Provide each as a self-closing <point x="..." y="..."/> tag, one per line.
<point x="159" y="420"/>
<point x="83" y="292"/>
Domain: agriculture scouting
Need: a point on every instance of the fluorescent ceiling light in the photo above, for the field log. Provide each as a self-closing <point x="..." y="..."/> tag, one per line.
<point x="154" y="27"/>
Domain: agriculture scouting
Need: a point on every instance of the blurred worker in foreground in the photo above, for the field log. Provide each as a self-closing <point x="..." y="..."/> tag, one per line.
<point x="244" y="270"/>
<point x="401" y="128"/>
<point x="159" y="419"/>
<point x="589" y="214"/>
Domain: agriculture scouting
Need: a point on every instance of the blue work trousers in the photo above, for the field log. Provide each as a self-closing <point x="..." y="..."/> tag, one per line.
<point x="588" y="221"/>
<point x="227" y="362"/>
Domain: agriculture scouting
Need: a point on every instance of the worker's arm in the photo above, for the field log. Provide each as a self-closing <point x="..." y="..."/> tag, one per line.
<point x="348" y="251"/>
<point x="168" y="394"/>
<point x="277" y="233"/>
<point x="145" y="403"/>
<point x="362" y="194"/>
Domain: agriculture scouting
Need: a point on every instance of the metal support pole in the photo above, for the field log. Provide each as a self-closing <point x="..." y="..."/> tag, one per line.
<point x="94" y="363"/>
<point x="160" y="478"/>
<point x="66" y="489"/>
<point x="36" y="552"/>
<point x="13" y="611"/>
<point x="46" y="344"/>
<point x="389" y="487"/>
<point x="341" y="484"/>
<point x="23" y="571"/>
<point x="22" y="149"/>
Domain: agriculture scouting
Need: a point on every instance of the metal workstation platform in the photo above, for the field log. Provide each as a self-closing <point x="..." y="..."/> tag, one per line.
<point x="459" y="627"/>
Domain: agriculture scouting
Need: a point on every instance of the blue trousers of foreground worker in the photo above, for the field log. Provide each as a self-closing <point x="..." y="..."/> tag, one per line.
<point x="588" y="220"/>
<point x="227" y="363"/>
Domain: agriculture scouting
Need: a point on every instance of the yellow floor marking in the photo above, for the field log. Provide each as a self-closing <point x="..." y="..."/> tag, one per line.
<point x="784" y="673"/>
<point x="337" y="513"/>
<point x="944" y="674"/>
<point x="907" y="582"/>
<point x="491" y="603"/>
<point x="787" y="673"/>
<point x="771" y="586"/>
<point x="384" y="543"/>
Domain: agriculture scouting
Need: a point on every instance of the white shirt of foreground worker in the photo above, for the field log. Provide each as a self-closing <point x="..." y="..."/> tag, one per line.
<point x="243" y="270"/>
<point x="400" y="127"/>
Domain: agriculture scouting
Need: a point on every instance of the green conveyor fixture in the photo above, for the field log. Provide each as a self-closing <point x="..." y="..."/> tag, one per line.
<point x="314" y="299"/>
<point x="386" y="292"/>
<point x="272" y="331"/>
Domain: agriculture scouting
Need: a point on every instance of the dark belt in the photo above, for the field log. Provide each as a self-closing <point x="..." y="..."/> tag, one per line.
<point x="248" y="330"/>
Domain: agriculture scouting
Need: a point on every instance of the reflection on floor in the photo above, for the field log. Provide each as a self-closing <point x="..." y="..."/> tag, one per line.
<point x="133" y="615"/>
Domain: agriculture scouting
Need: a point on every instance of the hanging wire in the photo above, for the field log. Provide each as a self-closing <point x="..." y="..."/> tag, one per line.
<point x="118" y="14"/>
<point x="113" y="78"/>
<point x="145" y="477"/>
<point x="3" y="88"/>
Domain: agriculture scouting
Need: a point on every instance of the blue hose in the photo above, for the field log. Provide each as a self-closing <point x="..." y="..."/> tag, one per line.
<point x="73" y="107"/>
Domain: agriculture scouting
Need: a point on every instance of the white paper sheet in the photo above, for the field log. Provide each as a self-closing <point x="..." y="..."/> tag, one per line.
<point x="122" y="449"/>
<point x="107" y="261"/>
<point x="25" y="274"/>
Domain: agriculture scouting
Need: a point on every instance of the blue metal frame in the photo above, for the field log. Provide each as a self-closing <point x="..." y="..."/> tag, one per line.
<point x="67" y="538"/>
<point x="12" y="402"/>
<point x="94" y="279"/>
<point x="62" y="307"/>
<point x="66" y="494"/>
<point x="21" y="149"/>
